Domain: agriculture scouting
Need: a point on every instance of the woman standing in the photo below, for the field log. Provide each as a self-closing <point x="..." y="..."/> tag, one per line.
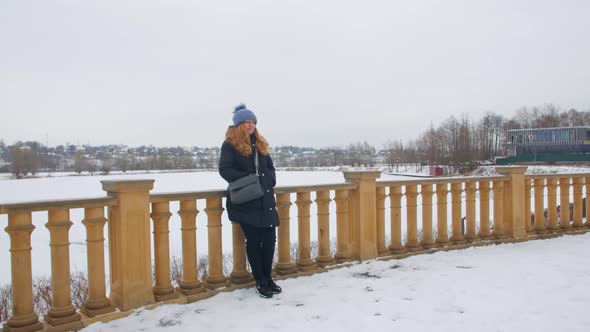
<point x="258" y="218"/>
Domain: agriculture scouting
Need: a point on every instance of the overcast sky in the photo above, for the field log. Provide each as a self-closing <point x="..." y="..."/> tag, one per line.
<point x="316" y="73"/>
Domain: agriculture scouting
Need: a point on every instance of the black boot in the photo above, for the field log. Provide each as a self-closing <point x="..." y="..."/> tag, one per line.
<point x="263" y="289"/>
<point x="275" y="289"/>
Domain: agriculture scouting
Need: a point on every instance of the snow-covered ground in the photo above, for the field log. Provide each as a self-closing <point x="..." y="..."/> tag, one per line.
<point x="531" y="286"/>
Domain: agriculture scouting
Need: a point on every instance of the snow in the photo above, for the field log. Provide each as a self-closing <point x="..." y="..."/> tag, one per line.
<point x="531" y="286"/>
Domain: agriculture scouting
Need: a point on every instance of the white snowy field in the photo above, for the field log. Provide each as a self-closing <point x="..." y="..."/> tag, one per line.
<point x="531" y="286"/>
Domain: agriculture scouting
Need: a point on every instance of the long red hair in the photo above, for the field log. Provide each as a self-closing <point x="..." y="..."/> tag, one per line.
<point x="239" y="138"/>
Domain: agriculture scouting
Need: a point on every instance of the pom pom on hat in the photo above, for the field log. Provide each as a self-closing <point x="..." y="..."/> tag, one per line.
<point x="241" y="114"/>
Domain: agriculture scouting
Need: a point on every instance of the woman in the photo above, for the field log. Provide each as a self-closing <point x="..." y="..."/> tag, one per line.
<point x="258" y="218"/>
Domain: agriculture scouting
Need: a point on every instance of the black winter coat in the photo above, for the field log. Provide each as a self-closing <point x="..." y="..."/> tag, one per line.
<point x="260" y="212"/>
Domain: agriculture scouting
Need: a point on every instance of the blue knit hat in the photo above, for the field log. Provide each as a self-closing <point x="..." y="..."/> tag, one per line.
<point x="242" y="114"/>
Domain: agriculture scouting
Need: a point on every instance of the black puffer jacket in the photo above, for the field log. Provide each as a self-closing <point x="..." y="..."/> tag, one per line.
<point x="260" y="212"/>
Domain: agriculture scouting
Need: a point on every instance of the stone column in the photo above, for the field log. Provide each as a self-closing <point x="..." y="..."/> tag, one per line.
<point x="457" y="235"/>
<point x="516" y="225"/>
<point x="395" y="199"/>
<point x="98" y="303"/>
<point x="239" y="274"/>
<point x="215" y="278"/>
<point x="163" y="289"/>
<point x="552" y="205"/>
<point x="498" y="190"/>
<point x="342" y="226"/>
<point x="484" y="210"/>
<point x="564" y="202"/>
<point x="129" y="243"/>
<point x="539" y="206"/>
<point x="304" y="262"/>
<point x="323" y="203"/>
<point x="470" y="234"/>
<point x="23" y="317"/>
<point x="190" y="283"/>
<point x="62" y="311"/>
<point x="442" y="234"/>
<point x="285" y="266"/>
<point x="363" y="213"/>
<point x="427" y="236"/>
<point x="382" y="250"/>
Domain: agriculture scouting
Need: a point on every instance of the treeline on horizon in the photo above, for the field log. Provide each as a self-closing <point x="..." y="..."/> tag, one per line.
<point x="458" y="142"/>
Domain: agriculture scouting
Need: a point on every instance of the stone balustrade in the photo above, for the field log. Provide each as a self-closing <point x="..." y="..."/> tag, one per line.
<point x="523" y="207"/>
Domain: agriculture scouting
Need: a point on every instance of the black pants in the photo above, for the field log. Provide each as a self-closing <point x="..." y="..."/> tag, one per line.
<point x="260" y="248"/>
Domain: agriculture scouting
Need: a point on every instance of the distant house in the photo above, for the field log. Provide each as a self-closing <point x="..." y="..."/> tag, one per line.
<point x="547" y="145"/>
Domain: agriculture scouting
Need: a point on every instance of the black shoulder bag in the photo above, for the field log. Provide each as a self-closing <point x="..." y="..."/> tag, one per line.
<point x="247" y="188"/>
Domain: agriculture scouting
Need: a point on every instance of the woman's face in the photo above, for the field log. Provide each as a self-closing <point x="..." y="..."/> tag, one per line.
<point x="249" y="125"/>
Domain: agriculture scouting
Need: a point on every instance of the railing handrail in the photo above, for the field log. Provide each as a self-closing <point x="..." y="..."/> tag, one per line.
<point x="441" y="180"/>
<point x="45" y="205"/>
<point x="556" y="175"/>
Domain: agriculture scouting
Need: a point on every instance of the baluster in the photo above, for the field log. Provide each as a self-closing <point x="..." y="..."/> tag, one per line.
<point x="395" y="199"/>
<point x="62" y="311"/>
<point x="163" y="289"/>
<point x="382" y="250"/>
<point x="411" y="202"/>
<point x="239" y="274"/>
<point x="98" y="303"/>
<point x="457" y="236"/>
<point x="564" y="209"/>
<point x="342" y="226"/>
<point x="470" y="234"/>
<point x="304" y="262"/>
<point x="527" y="206"/>
<point x="427" y="236"/>
<point x="215" y="278"/>
<point x="23" y="317"/>
<point x="323" y="202"/>
<point x="539" y="206"/>
<point x="484" y="210"/>
<point x="587" y="183"/>
<point x="578" y="208"/>
<point x="498" y="190"/>
<point x="190" y="283"/>
<point x="442" y="233"/>
<point x="284" y="265"/>
<point x="552" y="204"/>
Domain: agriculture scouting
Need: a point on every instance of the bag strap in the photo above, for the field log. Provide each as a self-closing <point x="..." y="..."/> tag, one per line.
<point x="256" y="160"/>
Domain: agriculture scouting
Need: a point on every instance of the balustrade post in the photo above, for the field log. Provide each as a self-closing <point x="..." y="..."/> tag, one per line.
<point x="552" y="205"/>
<point x="564" y="202"/>
<point x="239" y="274"/>
<point x="23" y="317"/>
<point x="304" y="262"/>
<point x="323" y="200"/>
<point x="284" y="266"/>
<point x="498" y="190"/>
<point x="578" y="207"/>
<point x="363" y="213"/>
<point x="215" y="278"/>
<point x="382" y="249"/>
<point x="456" y="190"/>
<point x="98" y="303"/>
<point x="587" y="184"/>
<point x="527" y="206"/>
<point x="129" y="243"/>
<point x="62" y="311"/>
<point x="190" y="283"/>
<point x="514" y="197"/>
<point x="442" y="233"/>
<point x="412" y="223"/>
<point x="342" y="226"/>
<point x="163" y="289"/>
<point x="427" y="236"/>
<point x="484" y="210"/>
<point x="395" y="199"/>
<point x="470" y="234"/>
<point x="539" y="206"/>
